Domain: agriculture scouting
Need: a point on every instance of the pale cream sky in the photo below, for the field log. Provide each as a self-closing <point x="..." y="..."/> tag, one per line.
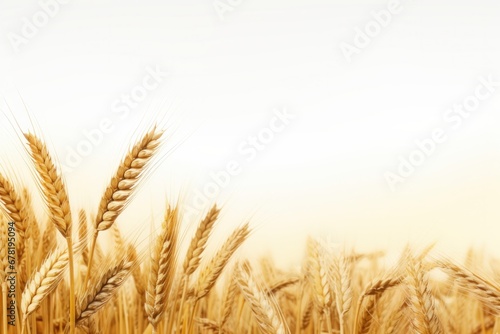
<point x="356" y="102"/>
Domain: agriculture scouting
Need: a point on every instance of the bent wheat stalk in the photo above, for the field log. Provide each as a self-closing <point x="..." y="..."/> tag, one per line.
<point x="486" y="291"/>
<point x="375" y="289"/>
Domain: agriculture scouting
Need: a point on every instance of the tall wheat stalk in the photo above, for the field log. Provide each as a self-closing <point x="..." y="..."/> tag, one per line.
<point x="56" y="198"/>
<point x="122" y="185"/>
<point x="163" y="264"/>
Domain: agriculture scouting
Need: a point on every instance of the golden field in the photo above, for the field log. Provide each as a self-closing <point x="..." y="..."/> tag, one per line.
<point x="57" y="276"/>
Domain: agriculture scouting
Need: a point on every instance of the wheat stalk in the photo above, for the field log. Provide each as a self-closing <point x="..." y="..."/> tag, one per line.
<point x="53" y="187"/>
<point x="420" y="301"/>
<point x="83" y="235"/>
<point x="483" y="289"/>
<point x="318" y="274"/>
<point x="103" y="288"/>
<point x="44" y="281"/>
<point x="125" y="179"/>
<point x="3" y="250"/>
<point x="366" y="319"/>
<point x="14" y="208"/>
<point x="56" y="198"/>
<point x="136" y="271"/>
<point x="342" y="286"/>
<point x="120" y="189"/>
<point x="306" y="317"/>
<point x="276" y="287"/>
<point x="375" y="288"/>
<point x="162" y="268"/>
<point x="199" y="241"/>
<point x="210" y="273"/>
<point x="264" y="309"/>
<point x="228" y="299"/>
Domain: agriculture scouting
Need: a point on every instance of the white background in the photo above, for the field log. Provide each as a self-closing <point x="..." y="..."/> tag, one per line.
<point x="324" y="174"/>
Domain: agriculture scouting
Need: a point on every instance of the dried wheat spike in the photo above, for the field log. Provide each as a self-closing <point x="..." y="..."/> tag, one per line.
<point x="420" y="301"/>
<point x="14" y="208"/>
<point x="483" y="289"/>
<point x="162" y="268"/>
<point x="119" y="191"/>
<point x="342" y="285"/>
<point x="264" y="308"/>
<point x="199" y="241"/>
<point x="211" y="272"/>
<point x="54" y="190"/>
<point x="44" y="281"/>
<point x="102" y="288"/>
<point x="317" y="272"/>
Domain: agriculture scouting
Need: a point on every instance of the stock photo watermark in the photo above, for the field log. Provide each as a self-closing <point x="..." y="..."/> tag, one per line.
<point x="120" y="110"/>
<point x="364" y="36"/>
<point x="453" y="118"/>
<point x="32" y="25"/>
<point x="10" y="282"/>
<point x="247" y="151"/>
<point x="222" y="7"/>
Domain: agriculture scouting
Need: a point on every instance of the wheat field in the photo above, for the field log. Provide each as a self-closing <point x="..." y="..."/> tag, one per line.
<point x="65" y="281"/>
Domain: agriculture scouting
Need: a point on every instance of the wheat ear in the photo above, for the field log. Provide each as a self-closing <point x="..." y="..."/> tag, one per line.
<point x="199" y="241"/>
<point x="366" y="319"/>
<point x="420" y="301"/>
<point x="4" y="261"/>
<point x="278" y="286"/>
<point x="342" y="287"/>
<point x="375" y="289"/>
<point x="14" y="208"/>
<point x="136" y="271"/>
<point x="486" y="291"/>
<point x="195" y="250"/>
<point x="56" y="197"/>
<point x="162" y="269"/>
<point x="306" y="317"/>
<point x="124" y="181"/>
<point x="102" y="289"/>
<point x="211" y="272"/>
<point x="44" y="281"/>
<point x="265" y="310"/>
<point x="319" y="277"/>
<point x="53" y="187"/>
<point x="228" y="300"/>
<point x="83" y="235"/>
